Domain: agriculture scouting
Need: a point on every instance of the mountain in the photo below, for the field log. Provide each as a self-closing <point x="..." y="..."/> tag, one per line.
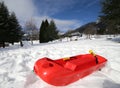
<point x="89" y="28"/>
<point x="82" y="29"/>
<point x="86" y="26"/>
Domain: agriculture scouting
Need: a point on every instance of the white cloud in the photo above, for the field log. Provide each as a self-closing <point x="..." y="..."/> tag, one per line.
<point x="24" y="9"/>
<point x="65" y="25"/>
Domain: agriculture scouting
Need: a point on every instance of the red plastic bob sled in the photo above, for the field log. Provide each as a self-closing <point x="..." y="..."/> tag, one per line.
<point x="64" y="71"/>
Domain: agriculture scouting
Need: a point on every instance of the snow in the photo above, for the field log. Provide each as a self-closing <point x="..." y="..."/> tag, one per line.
<point x="16" y="63"/>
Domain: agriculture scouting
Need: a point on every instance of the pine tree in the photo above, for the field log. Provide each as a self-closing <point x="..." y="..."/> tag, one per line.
<point x="15" y="33"/>
<point x="101" y="28"/>
<point x="4" y="16"/>
<point x="48" y="32"/>
<point x="10" y="30"/>
<point x="111" y="15"/>
<point x="52" y="30"/>
<point x="43" y="35"/>
<point x="41" y="38"/>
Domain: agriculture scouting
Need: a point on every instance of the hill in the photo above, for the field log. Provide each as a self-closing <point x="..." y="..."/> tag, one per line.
<point x="84" y="27"/>
<point x="89" y="28"/>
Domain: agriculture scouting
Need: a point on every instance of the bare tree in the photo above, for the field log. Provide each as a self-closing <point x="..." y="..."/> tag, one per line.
<point x="31" y="30"/>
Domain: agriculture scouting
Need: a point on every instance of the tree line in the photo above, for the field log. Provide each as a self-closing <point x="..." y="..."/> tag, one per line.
<point x="10" y="30"/>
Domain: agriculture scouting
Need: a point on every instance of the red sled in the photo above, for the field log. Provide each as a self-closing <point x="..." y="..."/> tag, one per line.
<point x="64" y="71"/>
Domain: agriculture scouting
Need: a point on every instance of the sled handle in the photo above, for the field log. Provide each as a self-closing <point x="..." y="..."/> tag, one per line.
<point x="66" y="58"/>
<point x="91" y="52"/>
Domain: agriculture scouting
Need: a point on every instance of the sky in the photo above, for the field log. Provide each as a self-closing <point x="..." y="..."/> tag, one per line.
<point x="67" y="14"/>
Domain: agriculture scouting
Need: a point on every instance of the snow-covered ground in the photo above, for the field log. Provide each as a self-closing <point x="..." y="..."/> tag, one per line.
<point x="16" y="63"/>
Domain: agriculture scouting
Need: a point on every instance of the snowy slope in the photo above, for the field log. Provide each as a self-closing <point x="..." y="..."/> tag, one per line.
<point x="16" y="63"/>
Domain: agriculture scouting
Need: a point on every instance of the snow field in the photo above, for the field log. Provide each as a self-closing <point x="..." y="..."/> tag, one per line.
<point x="16" y="63"/>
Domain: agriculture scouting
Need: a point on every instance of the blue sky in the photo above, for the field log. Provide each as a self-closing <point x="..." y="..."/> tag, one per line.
<point x="67" y="14"/>
<point x="83" y="10"/>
